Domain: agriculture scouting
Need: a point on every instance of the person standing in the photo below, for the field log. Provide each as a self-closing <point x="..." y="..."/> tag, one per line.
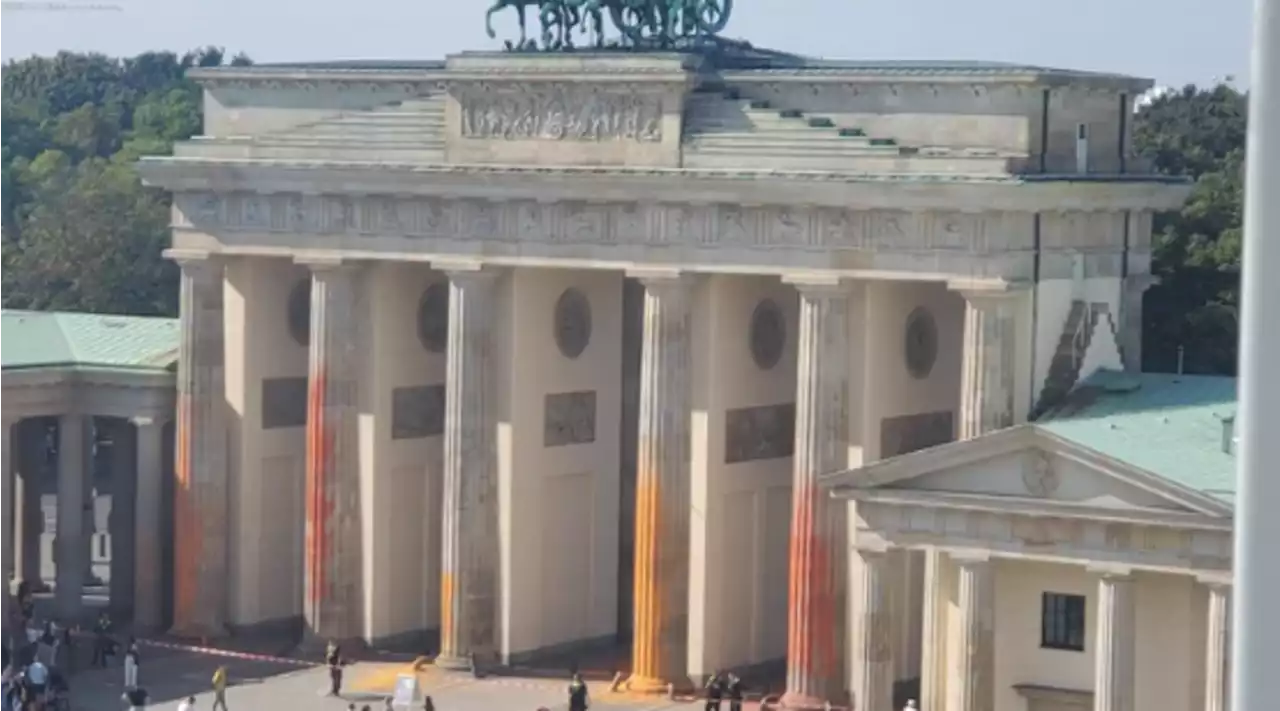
<point x="131" y="664"/>
<point x="333" y="658"/>
<point x="715" y="691"/>
<point x="220" y="689"/>
<point x="734" y="691"/>
<point x="102" y="640"/>
<point x="578" y="698"/>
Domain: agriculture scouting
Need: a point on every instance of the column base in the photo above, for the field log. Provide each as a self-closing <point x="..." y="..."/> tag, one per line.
<point x="793" y="701"/>
<point x="452" y="663"/>
<point x="651" y="685"/>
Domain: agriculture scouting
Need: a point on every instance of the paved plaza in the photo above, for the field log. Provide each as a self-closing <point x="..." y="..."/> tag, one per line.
<point x="172" y="675"/>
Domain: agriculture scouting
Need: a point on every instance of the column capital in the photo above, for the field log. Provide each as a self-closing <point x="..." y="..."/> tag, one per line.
<point x="1215" y="581"/>
<point x="1139" y="283"/>
<point x="820" y="285"/>
<point x="654" y="277"/>
<point x="141" y="421"/>
<point x="196" y="262"/>
<point x="988" y="290"/>
<point x="970" y="559"/>
<point x="1119" y="573"/>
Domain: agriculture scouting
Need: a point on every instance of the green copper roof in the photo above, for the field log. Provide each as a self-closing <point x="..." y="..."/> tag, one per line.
<point x="34" y="339"/>
<point x="1170" y="425"/>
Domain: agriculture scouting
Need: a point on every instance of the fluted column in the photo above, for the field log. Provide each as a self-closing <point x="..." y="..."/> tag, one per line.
<point x="148" y="587"/>
<point x="988" y="369"/>
<point x="660" y="641"/>
<point x="469" y="559"/>
<point x="1217" y="655"/>
<point x="1114" y="658"/>
<point x="871" y="592"/>
<point x="71" y="545"/>
<point x="332" y="570"/>
<point x="31" y="451"/>
<point x="821" y="447"/>
<point x="10" y="439"/>
<point x="201" y="486"/>
<point x="972" y="679"/>
<point x="120" y="522"/>
<point x="933" y="657"/>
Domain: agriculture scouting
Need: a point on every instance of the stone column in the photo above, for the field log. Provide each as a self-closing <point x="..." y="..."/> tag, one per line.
<point x="331" y="604"/>
<point x="933" y="658"/>
<point x="148" y="586"/>
<point x="972" y="680"/>
<point x="10" y="439"/>
<point x="871" y="593"/>
<point x="987" y="378"/>
<point x="469" y="555"/>
<point x="1217" y="655"/>
<point x="120" y="523"/>
<point x="71" y="546"/>
<point x="201" y="486"/>
<point x="1130" y="337"/>
<point x="822" y="437"/>
<point x="32" y="452"/>
<point x="1114" y="658"/>
<point x="661" y="589"/>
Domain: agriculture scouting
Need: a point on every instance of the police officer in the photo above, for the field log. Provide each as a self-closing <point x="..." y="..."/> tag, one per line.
<point x="333" y="658"/>
<point x="734" y="691"/>
<point x="715" y="691"/>
<point x="578" y="694"/>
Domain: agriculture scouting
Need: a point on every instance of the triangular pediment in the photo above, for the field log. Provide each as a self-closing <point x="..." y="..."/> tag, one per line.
<point x="1024" y="463"/>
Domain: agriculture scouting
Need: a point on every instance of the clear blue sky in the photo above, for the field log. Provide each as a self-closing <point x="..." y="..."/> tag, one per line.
<point x="1171" y="41"/>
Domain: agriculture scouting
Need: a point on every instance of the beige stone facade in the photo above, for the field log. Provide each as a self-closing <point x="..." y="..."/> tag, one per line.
<point x="546" y="350"/>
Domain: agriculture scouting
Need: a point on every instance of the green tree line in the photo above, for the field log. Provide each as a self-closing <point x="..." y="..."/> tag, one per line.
<point x="80" y="233"/>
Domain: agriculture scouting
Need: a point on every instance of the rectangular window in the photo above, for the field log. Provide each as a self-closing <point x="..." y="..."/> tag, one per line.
<point x="1062" y="622"/>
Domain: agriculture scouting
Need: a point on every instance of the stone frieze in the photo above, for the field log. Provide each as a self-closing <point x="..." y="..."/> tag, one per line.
<point x="569" y="418"/>
<point x="575" y="222"/>
<point x="560" y="113"/>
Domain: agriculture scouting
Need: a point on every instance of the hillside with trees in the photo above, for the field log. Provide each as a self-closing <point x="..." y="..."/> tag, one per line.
<point x="80" y="233"/>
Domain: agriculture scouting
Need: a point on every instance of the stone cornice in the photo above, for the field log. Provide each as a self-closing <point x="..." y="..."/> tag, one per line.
<point x="674" y="185"/>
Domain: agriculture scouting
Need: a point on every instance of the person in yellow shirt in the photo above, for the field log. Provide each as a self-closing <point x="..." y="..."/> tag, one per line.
<point x="220" y="688"/>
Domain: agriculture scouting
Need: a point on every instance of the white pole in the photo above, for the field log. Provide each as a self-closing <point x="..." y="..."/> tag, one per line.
<point x="1255" y="684"/>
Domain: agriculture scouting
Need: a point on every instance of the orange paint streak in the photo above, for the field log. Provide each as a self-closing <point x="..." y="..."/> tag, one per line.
<point x="188" y="541"/>
<point x="319" y="503"/>
<point x="811" y="640"/>
<point x="647" y="661"/>
<point x="447" y="592"/>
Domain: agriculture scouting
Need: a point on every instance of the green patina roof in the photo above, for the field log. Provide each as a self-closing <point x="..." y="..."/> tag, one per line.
<point x="1170" y="425"/>
<point x="34" y="339"/>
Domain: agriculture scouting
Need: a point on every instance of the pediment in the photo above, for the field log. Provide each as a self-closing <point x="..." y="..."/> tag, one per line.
<point x="1024" y="463"/>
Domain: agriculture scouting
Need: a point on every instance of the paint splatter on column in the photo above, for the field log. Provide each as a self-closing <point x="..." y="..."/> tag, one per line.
<point x="469" y="557"/>
<point x="822" y="402"/>
<point x="331" y="603"/>
<point x="659" y="650"/>
<point x="200" y="466"/>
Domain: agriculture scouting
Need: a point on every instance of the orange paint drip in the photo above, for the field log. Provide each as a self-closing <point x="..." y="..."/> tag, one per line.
<point x="187" y="524"/>
<point x="647" y="661"/>
<point x="319" y="503"/>
<point x="811" y="638"/>
<point x="447" y="593"/>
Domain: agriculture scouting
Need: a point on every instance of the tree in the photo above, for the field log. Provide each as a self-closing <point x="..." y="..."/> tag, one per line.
<point x="1190" y="318"/>
<point x="80" y="231"/>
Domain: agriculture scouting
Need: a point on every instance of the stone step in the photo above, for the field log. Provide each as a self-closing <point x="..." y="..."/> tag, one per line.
<point x="338" y="139"/>
<point x="769" y="142"/>
<point x="328" y="152"/>
<point x="799" y="135"/>
<point x="397" y="132"/>
<point x="840" y="163"/>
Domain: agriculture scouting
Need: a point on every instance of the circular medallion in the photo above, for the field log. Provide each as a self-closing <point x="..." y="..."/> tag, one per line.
<point x="433" y="318"/>
<point x="572" y="323"/>
<point x="921" y="343"/>
<point x="1039" y="477"/>
<point x="768" y="334"/>
<point x="300" y="312"/>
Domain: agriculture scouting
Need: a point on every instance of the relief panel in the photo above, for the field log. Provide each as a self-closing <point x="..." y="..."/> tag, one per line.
<point x="560" y="113"/>
<point x="908" y="433"/>
<point x="417" y="411"/>
<point x="569" y="418"/>
<point x="284" y="402"/>
<point x="764" y="432"/>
